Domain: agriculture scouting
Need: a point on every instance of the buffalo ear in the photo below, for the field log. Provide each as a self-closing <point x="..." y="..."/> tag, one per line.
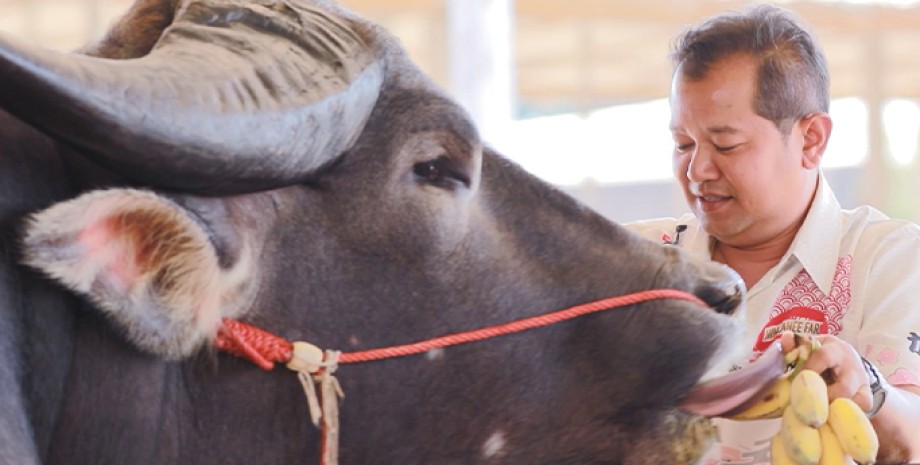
<point x="142" y="260"/>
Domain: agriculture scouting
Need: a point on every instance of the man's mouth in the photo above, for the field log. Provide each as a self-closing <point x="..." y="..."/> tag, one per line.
<point x="733" y="391"/>
<point x="708" y="203"/>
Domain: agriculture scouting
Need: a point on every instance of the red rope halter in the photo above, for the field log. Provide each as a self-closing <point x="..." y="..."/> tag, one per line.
<point x="265" y="349"/>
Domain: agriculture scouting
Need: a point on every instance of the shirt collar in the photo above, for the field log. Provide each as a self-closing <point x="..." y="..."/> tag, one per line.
<point x="816" y="244"/>
<point x="695" y="239"/>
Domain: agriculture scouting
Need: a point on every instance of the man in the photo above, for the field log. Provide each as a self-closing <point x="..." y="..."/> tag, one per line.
<point x="749" y="102"/>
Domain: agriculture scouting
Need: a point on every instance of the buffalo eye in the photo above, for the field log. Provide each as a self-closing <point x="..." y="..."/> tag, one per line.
<point x="440" y="172"/>
<point x="429" y="172"/>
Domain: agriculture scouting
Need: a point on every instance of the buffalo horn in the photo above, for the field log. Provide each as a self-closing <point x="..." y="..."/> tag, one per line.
<point x="235" y="96"/>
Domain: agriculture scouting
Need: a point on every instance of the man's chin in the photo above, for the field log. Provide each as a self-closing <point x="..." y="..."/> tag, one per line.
<point x="720" y="227"/>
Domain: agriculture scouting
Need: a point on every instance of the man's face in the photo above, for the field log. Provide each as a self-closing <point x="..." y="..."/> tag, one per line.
<point x="742" y="177"/>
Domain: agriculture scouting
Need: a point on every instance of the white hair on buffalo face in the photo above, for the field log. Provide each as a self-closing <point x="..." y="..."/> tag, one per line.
<point x="494" y="446"/>
<point x="142" y="260"/>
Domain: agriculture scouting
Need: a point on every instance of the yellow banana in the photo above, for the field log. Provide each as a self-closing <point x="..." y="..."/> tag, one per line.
<point x="808" y="398"/>
<point x="801" y="441"/>
<point x="853" y="430"/>
<point x="831" y="451"/>
<point x="769" y="404"/>
<point x="778" y="454"/>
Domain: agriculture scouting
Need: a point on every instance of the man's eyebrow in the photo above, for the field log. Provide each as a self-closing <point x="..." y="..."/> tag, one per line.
<point x="722" y="130"/>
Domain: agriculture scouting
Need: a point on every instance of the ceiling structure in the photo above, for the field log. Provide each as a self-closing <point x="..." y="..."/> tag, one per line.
<point x="586" y="53"/>
<point x="576" y="54"/>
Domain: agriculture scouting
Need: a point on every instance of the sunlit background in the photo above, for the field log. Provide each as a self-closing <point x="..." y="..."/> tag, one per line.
<point x="574" y="90"/>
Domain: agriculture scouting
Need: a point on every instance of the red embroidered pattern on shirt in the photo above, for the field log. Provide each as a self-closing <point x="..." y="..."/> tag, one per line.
<point x="802" y="291"/>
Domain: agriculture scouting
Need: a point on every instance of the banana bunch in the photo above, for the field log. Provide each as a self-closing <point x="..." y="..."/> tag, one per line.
<point x="813" y="431"/>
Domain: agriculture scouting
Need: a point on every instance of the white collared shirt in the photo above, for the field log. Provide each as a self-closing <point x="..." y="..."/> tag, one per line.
<point x="851" y="273"/>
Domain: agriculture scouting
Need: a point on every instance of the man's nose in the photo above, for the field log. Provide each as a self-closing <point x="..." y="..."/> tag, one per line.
<point x="701" y="167"/>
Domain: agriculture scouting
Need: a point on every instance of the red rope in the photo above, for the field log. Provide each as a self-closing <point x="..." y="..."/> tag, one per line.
<point x="264" y="348"/>
<point x="257" y="345"/>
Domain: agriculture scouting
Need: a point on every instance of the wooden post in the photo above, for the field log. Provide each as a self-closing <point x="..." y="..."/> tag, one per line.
<point x="874" y="184"/>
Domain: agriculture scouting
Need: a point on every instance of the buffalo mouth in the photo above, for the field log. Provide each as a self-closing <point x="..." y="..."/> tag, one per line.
<point x="738" y="389"/>
<point x="696" y="435"/>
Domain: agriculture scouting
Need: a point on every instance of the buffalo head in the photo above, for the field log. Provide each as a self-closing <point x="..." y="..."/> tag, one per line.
<point x="285" y="164"/>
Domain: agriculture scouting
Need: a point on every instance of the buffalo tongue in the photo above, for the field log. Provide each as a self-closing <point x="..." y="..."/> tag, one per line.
<point x="725" y="393"/>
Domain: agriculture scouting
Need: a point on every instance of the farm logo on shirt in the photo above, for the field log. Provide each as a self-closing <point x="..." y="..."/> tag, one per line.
<point x="802" y="307"/>
<point x="802" y="320"/>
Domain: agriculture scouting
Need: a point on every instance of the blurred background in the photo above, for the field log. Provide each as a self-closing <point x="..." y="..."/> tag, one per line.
<point x="574" y="90"/>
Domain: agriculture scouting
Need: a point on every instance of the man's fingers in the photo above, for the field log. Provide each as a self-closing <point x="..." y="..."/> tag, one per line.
<point x="838" y="363"/>
<point x="862" y="397"/>
<point x="787" y="341"/>
<point x="851" y="387"/>
<point x="840" y="366"/>
<point x="826" y="357"/>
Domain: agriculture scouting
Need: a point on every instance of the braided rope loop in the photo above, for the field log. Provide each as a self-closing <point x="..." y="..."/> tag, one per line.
<point x="517" y="325"/>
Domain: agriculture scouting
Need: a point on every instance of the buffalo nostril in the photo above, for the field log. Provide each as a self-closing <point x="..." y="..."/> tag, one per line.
<point x="725" y="300"/>
<point x="729" y="305"/>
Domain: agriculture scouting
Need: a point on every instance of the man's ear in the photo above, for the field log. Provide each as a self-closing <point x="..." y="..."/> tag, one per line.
<point x="816" y="131"/>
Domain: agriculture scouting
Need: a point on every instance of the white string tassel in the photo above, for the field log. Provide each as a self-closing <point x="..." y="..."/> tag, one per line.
<point x="309" y="388"/>
<point x="315" y="371"/>
<point x="330" y="392"/>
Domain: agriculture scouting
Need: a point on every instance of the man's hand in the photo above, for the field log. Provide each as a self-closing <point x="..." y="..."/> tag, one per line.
<point x="840" y="366"/>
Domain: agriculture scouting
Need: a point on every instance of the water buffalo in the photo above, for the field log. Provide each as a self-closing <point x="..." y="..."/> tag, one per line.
<point x="283" y="163"/>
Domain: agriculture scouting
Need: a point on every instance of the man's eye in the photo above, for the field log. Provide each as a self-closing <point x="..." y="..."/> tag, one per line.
<point x="724" y="149"/>
<point x="682" y="148"/>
